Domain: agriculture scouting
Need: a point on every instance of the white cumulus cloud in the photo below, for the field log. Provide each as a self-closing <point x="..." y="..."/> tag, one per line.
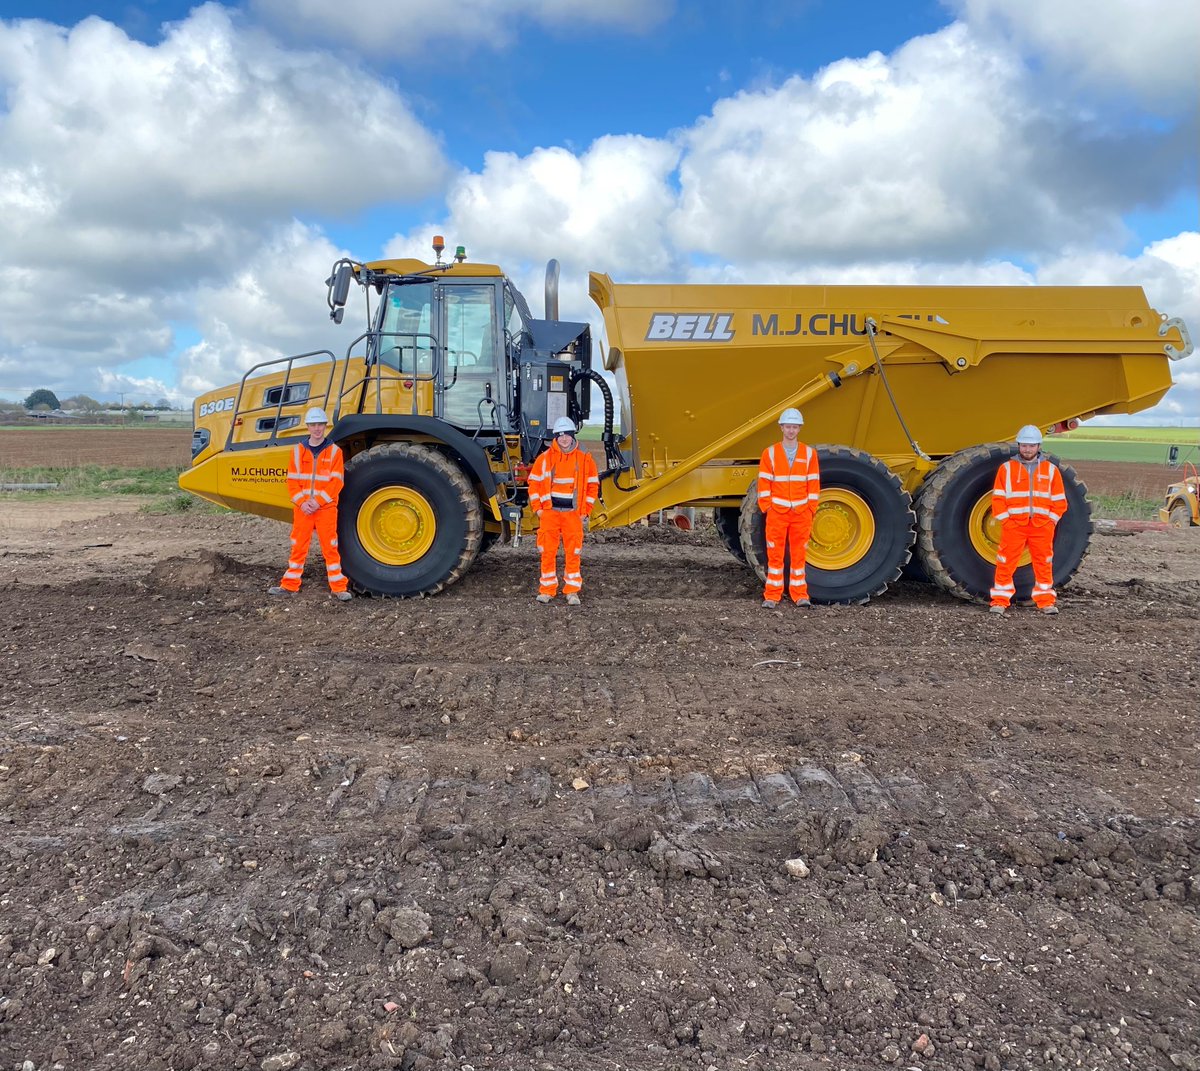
<point x="133" y="174"/>
<point x="938" y="151"/>
<point x="1147" y="48"/>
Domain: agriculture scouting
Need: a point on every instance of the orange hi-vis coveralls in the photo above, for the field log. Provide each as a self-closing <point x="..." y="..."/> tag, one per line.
<point x="1028" y="502"/>
<point x="315" y="473"/>
<point x="788" y="495"/>
<point x="562" y="491"/>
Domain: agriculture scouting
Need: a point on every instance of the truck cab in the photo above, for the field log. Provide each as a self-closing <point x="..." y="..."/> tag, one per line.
<point x="451" y="373"/>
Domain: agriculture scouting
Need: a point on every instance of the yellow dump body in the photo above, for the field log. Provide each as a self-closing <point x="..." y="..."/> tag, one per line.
<point x="965" y="364"/>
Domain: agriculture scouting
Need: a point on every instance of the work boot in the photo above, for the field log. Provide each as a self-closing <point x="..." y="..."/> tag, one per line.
<point x="342" y="596"/>
<point x="997" y="609"/>
<point x="1049" y="610"/>
<point x="572" y="599"/>
<point x="804" y="602"/>
<point x="770" y="604"/>
<point x="544" y="598"/>
<point x="277" y="590"/>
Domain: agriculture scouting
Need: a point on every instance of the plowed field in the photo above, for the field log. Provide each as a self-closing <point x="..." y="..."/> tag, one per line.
<point x="138" y="448"/>
<point x="666" y="830"/>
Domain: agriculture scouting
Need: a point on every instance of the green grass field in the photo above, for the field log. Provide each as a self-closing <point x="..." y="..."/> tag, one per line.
<point x="1146" y="446"/>
<point x="1141" y="435"/>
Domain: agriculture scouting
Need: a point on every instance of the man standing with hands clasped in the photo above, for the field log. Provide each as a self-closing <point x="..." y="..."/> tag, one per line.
<point x="1028" y="500"/>
<point x="563" y="485"/>
<point x="315" y="478"/>
<point x="789" y="484"/>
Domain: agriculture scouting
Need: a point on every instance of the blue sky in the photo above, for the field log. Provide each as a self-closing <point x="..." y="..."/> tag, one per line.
<point x="183" y="176"/>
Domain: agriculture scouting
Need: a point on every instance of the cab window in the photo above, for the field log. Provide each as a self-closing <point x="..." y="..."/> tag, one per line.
<point x="470" y="328"/>
<point x="471" y="376"/>
<point x="406" y="340"/>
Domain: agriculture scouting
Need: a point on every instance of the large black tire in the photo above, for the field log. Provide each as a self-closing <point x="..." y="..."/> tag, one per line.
<point x="409" y="521"/>
<point x="957" y="537"/>
<point x="726" y="520"/>
<point x="862" y="534"/>
<point x="1180" y="515"/>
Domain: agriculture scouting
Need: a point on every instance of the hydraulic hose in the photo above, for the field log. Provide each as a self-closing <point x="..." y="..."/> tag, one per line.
<point x="872" y="331"/>
<point x="613" y="458"/>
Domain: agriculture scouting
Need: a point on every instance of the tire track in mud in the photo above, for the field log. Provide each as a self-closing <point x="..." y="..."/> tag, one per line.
<point x="236" y="791"/>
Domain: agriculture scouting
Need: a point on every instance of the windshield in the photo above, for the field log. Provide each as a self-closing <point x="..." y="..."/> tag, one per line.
<point x="406" y="338"/>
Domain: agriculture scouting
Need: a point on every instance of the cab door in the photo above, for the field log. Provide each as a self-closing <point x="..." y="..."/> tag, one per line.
<point x="471" y="363"/>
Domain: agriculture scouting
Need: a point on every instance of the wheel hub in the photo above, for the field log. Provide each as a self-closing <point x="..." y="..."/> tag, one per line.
<point x="396" y="525"/>
<point x="843" y="530"/>
<point x="984" y="532"/>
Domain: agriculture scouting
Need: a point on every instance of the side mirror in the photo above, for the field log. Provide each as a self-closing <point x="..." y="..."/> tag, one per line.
<point x="339" y="289"/>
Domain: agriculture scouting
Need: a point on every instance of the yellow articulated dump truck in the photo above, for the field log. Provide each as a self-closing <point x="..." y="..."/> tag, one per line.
<point x="911" y="395"/>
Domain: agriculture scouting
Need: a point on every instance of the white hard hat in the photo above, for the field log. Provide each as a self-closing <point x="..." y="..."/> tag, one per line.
<point x="1029" y="434"/>
<point x="791" y="416"/>
<point x="563" y="424"/>
<point x="316" y="415"/>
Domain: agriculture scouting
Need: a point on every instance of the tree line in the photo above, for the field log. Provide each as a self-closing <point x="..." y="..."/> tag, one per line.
<point x="46" y="401"/>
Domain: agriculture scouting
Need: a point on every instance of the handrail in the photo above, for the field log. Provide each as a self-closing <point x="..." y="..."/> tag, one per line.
<point x="376" y="368"/>
<point x="238" y="411"/>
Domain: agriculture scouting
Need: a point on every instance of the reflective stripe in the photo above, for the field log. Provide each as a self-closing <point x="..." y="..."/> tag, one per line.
<point x="1020" y="493"/>
<point x="789" y="486"/>
<point x="324" y="470"/>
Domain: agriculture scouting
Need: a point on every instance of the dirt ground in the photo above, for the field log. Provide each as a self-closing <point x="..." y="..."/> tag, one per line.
<point x="666" y="830"/>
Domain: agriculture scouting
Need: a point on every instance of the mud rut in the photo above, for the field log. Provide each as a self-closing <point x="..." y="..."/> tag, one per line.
<point x="474" y="832"/>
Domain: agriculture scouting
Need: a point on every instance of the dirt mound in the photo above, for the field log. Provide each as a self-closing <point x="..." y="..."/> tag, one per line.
<point x="201" y="571"/>
<point x="666" y="830"/>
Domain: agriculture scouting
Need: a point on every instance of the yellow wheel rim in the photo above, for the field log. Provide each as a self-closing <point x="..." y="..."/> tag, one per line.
<point x="984" y="532"/>
<point x="843" y="530"/>
<point x="396" y="525"/>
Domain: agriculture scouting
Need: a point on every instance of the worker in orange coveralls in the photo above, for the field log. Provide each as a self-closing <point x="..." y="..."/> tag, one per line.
<point x="563" y="485"/>
<point x="1028" y="500"/>
<point x="789" y="484"/>
<point x="315" y="478"/>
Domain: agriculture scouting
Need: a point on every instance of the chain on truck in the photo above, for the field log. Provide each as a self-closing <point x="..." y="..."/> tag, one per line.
<point x="911" y="395"/>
